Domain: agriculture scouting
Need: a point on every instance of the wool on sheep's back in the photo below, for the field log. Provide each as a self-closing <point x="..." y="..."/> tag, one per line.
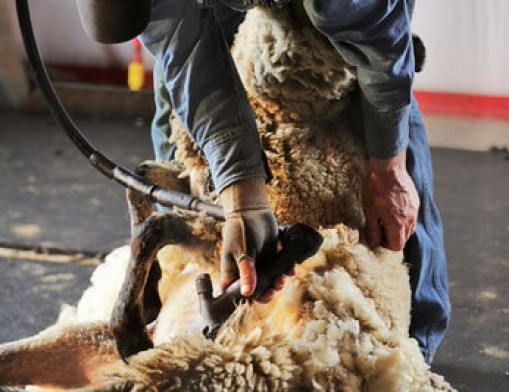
<point x="299" y="87"/>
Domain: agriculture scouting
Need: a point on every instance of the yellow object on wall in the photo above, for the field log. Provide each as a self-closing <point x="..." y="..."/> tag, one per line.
<point x="136" y="70"/>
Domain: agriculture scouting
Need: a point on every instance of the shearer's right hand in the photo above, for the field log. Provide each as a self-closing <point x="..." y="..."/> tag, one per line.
<point x="249" y="233"/>
<point x="390" y="202"/>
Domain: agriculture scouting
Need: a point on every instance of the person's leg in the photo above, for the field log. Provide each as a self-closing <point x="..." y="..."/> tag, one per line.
<point x="160" y="129"/>
<point x="425" y="250"/>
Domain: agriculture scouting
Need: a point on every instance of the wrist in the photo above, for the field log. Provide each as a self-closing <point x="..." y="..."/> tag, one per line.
<point x="388" y="165"/>
<point x="248" y="194"/>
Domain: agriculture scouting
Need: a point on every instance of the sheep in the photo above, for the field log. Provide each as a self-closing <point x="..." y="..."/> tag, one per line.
<point x="340" y="323"/>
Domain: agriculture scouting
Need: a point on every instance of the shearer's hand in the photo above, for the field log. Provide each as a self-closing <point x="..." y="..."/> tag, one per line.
<point x="390" y="203"/>
<point x="250" y="232"/>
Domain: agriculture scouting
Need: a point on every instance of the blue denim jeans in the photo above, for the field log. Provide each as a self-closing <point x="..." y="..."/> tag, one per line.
<point x="160" y="130"/>
<point x="424" y="251"/>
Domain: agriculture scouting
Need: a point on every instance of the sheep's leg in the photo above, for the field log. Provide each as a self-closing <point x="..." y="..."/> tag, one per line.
<point x="60" y="357"/>
<point x="152" y="303"/>
<point x="140" y="208"/>
<point x="164" y="175"/>
<point x="127" y="321"/>
<point x="138" y="301"/>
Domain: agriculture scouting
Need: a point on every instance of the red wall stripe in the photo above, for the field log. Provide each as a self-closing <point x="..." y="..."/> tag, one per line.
<point x="464" y="105"/>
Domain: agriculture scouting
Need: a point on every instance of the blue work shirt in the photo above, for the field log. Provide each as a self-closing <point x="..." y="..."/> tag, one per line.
<point x="375" y="36"/>
<point x="208" y="96"/>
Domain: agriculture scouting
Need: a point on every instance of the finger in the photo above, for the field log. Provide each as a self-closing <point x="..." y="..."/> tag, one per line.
<point x="279" y="283"/>
<point x="290" y="271"/>
<point x="229" y="272"/>
<point x="247" y="274"/>
<point x="410" y="231"/>
<point x="226" y="282"/>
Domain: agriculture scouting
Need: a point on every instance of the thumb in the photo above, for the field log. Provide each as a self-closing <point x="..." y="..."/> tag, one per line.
<point x="247" y="273"/>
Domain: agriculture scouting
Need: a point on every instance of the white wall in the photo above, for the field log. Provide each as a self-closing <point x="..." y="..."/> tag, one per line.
<point x="468" y="45"/>
<point x="61" y="39"/>
<point x="467" y="41"/>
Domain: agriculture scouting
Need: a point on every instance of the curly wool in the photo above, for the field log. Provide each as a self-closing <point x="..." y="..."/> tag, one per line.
<point x="330" y="328"/>
<point x="298" y="86"/>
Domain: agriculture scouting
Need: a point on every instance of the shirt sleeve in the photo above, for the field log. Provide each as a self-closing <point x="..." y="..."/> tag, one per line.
<point x="205" y="89"/>
<point x="375" y="37"/>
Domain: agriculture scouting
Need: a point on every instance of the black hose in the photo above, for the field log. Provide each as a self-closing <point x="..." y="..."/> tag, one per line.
<point x="102" y="163"/>
<point x="45" y="84"/>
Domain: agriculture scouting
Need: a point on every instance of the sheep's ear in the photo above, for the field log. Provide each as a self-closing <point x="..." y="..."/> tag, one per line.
<point x="419" y="52"/>
<point x="59" y="357"/>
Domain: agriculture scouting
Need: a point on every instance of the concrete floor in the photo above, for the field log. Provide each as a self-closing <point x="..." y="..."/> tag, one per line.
<point x="54" y="200"/>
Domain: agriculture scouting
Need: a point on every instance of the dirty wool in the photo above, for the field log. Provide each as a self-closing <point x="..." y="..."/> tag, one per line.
<point x="340" y="324"/>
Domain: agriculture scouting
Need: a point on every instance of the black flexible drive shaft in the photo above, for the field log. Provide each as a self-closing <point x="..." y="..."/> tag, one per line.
<point x="102" y="163"/>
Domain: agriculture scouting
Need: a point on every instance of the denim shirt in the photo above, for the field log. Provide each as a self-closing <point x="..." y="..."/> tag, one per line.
<point x="375" y="37"/>
<point x="205" y="89"/>
<point x="208" y="96"/>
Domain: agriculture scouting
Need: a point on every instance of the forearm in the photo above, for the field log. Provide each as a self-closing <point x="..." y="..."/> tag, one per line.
<point x="205" y="89"/>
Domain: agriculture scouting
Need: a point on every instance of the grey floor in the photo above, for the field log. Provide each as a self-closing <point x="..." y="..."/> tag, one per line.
<point x="51" y="198"/>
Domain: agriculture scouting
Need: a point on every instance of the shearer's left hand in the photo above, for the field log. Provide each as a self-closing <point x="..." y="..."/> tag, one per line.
<point x="249" y="233"/>
<point x="390" y="202"/>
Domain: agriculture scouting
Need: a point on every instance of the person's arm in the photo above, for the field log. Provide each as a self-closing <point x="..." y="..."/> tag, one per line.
<point x="375" y="37"/>
<point x="205" y="90"/>
<point x="209" y="98"/>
